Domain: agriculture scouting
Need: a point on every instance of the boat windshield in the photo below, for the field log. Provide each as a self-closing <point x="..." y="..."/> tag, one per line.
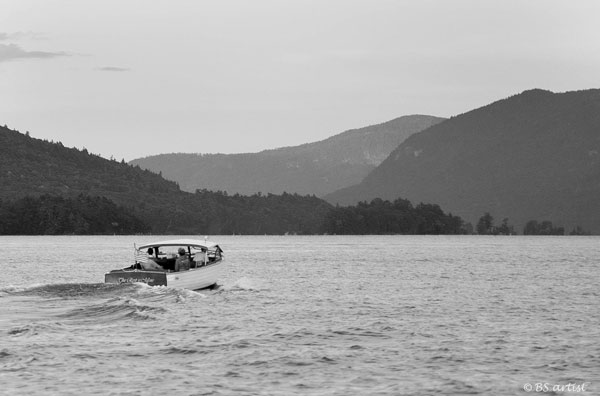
<point x="170" y="251"/>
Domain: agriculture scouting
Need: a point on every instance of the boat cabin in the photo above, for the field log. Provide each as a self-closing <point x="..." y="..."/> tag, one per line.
<point x="177" y="255"/>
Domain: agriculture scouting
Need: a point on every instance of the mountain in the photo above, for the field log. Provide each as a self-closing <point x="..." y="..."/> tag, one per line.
<point x="314" y="168"/>
<point x="49" y="188"/>
<point x="30" y="166"/>
<point x="535" y="155"/>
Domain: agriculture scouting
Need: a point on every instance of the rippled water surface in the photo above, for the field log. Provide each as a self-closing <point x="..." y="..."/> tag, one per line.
<point x="327" y="315"/>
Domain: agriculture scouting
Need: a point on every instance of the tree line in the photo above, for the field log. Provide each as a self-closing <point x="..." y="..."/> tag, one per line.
<point x="55" y="215"/>
<point x="207" y="212"/>
<point x="202" y="213"/>
<point x="486" y="226"/>
<point x="397" y="217"/>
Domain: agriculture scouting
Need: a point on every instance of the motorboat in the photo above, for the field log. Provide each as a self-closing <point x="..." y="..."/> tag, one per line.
<point x="183" y="263"/>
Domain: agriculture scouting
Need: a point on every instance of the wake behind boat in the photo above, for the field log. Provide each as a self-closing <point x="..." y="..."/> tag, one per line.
<point x="184" y="263"/>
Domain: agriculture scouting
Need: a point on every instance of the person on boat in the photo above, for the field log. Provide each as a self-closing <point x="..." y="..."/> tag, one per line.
<point x="150" y="253"/>
<point x="200" y="257"/>
<point x="183" y="262"/>
<point x="151" y="263"/>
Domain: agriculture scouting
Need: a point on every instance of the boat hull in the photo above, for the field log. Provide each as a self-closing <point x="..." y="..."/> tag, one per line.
<point x="152" y="278"/>
<point x="198" y="278"/>
<point x="194" y="279"/>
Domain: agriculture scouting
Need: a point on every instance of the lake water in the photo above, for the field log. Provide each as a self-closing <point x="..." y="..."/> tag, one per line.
<point x="322" y="315"/>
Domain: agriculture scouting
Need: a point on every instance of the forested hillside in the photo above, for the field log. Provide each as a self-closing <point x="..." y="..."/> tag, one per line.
<point x="49" y="188"/>
<point x="33" y="166"/>
<point x="533" y="156"/>
<point x="314" y="168"/>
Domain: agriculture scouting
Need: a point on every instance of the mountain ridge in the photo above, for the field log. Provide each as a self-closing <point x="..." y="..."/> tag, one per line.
<point x="533" y="155"/>
<point x="311" y="168"/>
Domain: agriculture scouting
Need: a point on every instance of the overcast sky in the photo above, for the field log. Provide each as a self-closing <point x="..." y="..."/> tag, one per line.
<point x="128" y="78"/>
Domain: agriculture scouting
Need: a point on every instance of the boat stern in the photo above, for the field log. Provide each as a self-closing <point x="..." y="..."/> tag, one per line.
<point x="151" y="278"/>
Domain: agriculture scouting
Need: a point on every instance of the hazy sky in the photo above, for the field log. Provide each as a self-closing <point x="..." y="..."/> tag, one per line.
<point x="128" y="78"/>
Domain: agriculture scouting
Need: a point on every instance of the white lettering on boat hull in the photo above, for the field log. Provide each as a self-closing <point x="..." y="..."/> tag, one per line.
<point x="136" y="280"/>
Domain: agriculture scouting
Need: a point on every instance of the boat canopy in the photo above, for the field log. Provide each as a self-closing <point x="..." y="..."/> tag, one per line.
<point x="198" y="243"/>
